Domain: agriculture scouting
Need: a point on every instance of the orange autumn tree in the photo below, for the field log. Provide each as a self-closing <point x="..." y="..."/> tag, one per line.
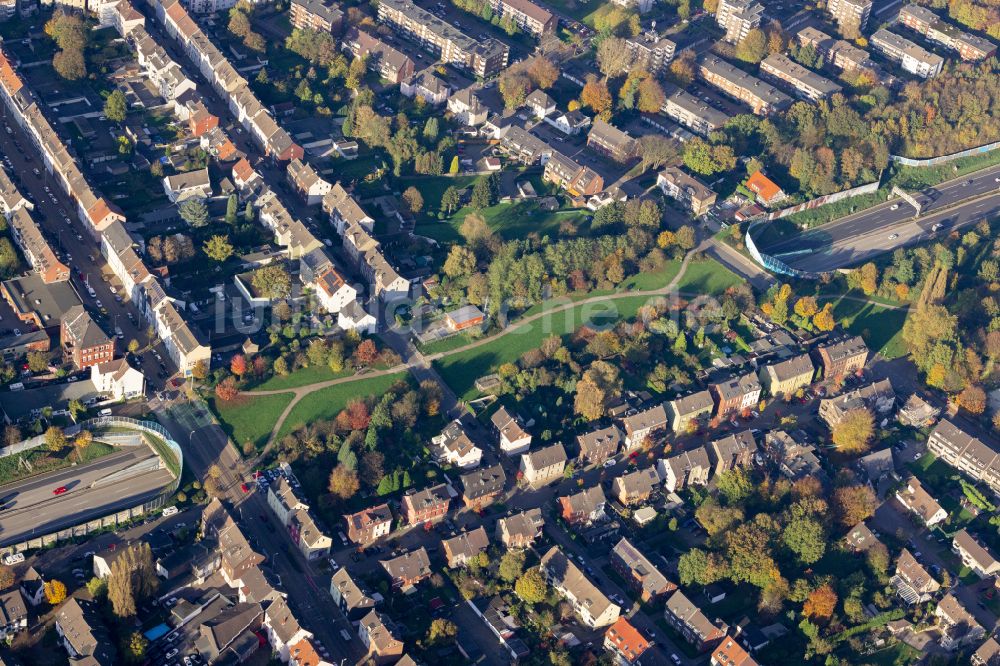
<point x="821" y="603"/>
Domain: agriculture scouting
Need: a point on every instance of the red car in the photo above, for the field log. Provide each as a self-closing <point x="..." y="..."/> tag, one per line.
<point x="244" y="488"/>
<point x="60" y="490"/>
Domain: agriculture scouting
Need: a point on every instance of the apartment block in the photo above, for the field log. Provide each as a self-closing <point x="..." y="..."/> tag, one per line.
<point x="484" y="58"/>
<point x="912" y="58"/>
<point x="611" y="141"/>
<point x="733" y="451"/>
<point x="927" y="23"/>
<point x="390" y="63"/>
<point x="738" y="17"/>
<point x="83" y="340"/>
<point x="965" y="451"/>
<point x="566" y="174"/>
<point x="851" y="16"/>
<point x="784" y="378"/>
<point x="641" y="575"/>
<point x="735" y="394"/>
<point x="526" y="15"/>
<point x="763" y="98"/>
<point x="693" y="113"/>
<point x="688" y="190"/>
<point x="693" y="625"/>
<point x="590" y="604"/>
<point x="315" y="15"/>
<point x="651" y="52"/>
<point x="805" y="82"/>
<point x="841" y="357"/>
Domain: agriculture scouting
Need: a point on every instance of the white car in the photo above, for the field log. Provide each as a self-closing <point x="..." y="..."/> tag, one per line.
<point x="894" y="207"/>
<point x="893" y="236"/>
<point x="172" y="653"/>
<point x="17" y="332"/>
<point x="610" y="462"/>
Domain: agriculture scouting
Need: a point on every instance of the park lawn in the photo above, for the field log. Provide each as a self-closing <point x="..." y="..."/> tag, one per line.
<point x="511" y="221"/>
<point x="301" y="377"/>
<point x="707" y="276"/>
<point x="432" y="188"/>
<point x="880" y="327"/>
<point x="328" y="402"/>
<point x="250" y="417"/>
<point x="653" y="279"/>
<point x="461" y="370"/>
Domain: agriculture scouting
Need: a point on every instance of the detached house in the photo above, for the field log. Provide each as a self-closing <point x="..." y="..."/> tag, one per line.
<point x="767" y="191"/>
<point x="735" y="394"/>
<point x="570" y="123"/>
<point x="733" y="451"/>
<point x="788" y="376"/>
<point x="685" y="468"/>
<point x="427" y="505"/>
<point x="467" y="108"/>
<point x="625" y="642"/>
<point x="974" y="556"/>
<point x="957" y="625"/>
<point x="454" y="447"/>
<point x="482" y="486"/>
<point x="912" y="582"/>
<point x="514" y="439"/>
<point x="685" y="412"/>
<point x="544" y="465"/>
<point x="692" y="624"/>
<point x="641" y="575"/>
<point x="635" y="487"/>
<point x="13" y="614"/>
<point x="915" y="498"/>
<point x="599" y="445"/>
<point x="460" y="550"/>
<point x="426" y="85"/>
<point x="584" y="507"/>
<point x="369" y="525"/>
<point x="521" y="529"/>
<point x="118" y="379"/>
<point x="593" y="608"/>
<point x="540" y="104"/>
<point x="648" y="423"/>
<point x="408" y="569"/>
<point x="188" y="185"/>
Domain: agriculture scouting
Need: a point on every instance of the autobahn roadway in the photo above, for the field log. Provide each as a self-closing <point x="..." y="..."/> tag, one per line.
<point x="893" y="224"/>
<point x="34" y="509"/>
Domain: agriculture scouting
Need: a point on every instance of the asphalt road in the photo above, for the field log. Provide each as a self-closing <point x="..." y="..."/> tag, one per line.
<point x="856" y="238"/>
<point x="76" y="248"/>
<point x="35" y="510"/>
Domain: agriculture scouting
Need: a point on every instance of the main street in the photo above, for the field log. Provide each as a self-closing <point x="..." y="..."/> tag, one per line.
<point x="856" y="238"/>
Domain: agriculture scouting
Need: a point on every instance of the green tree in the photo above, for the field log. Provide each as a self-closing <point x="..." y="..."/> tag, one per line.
<point x="116" y="106"/>
<point x="232" y="207"/>
<point x="218" y="247"/>
<point x="450" y="200"/>
<point x="735" y="485"/>
<point x="511" y="565"/>
<point x="441" y="632"/>
<point x="854" y="432"/>
<point x="55" y="439"/>
<point x="453" y="169"/>
<point x="413" y="199"/>
<point x="531" y="586"/>
<point x="135" y="649"/>
<point x="805" y="536"/>
<point x="272" y="281"/>
<point x="194" y="211"/>
<point x="753" y="48"/>
<point x="485" y="192"/>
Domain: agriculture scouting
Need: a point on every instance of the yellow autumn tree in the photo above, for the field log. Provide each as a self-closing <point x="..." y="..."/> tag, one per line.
<point x="806" y="306"/>
<point x="823" y="320"/>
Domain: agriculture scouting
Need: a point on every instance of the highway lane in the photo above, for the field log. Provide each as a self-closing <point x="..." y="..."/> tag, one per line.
<point x="35" y="510"/>
<point x="893" y="224"/>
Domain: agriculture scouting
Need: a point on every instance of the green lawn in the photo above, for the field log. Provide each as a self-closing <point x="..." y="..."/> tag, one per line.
<point x="250" y="418"/>
<point x="880" y="327"/>
<point x="654" y="279"/>
<point x="707" y="276"/>
<point x="301" y="377"/>
<point x="433" y="187"/>
<point x="43" y="460"/>
<point x="509" y="220"/>
<point x="461" y="370"/>
<point x="327" y="403"/>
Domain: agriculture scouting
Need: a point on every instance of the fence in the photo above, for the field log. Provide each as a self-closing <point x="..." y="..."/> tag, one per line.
<point x="870" y="188"/>
<point x="943" y="159"/>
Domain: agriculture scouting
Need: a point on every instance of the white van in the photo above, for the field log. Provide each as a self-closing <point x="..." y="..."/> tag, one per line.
<point x="170" y="511"/>
<point x="13" y="558"/>
<point x="106" y="411"/>
<point x="17" y="386"/>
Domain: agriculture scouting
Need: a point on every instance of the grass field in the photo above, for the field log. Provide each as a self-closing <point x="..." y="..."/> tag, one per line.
<point x="509" y="220"/>
<point x="461" y="370"/>
<point x="43" y="460"/>
<point x="654" y="279"/>
<point x="707" y="276"/>
<point x="327" y="403"/>
<point x="250" y="418"/>
<point x="301" y="377"/>
<point x="880" y="327"/>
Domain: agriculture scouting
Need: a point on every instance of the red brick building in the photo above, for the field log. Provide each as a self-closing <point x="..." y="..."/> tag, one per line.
<point x="427" y="505"/>
<point x="83" y="340"/>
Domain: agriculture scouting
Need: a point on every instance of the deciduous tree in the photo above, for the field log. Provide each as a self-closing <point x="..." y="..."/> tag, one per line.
<point x="343" y="482"/>
<point x="531" y="586"/>
<point x="855" y="431"/>
<point x="55" y="592"/>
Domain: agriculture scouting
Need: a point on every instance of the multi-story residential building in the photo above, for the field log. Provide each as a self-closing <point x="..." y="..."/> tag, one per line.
<point x="784" y="378"/>
<point x="839" y="53"/>
<point x="877" y="397"/>
<point x="625" y="642"/>
<point x="590" y="604"/>
<point x="521" y="529"/>
<point x="650" y="52"/>
<point x="408" y="569"/>
<point x="841" y="357"/>
<point x="735" y="394"/>
<point x="369" y="525"/>
<point x="509" y="428"/>
<point x="454" y="447"/>
<point x="915" y="498"/>
<point x="365" y="251"/>
<point x="731" y="653"/>
<point x="912" y="58"/>
<point x="482" y="486"/>
<point x="467" y="108"/>
<point x="35" y="248"/>
<point x="685" y="412"/>
<point x="696" y="195"/>
<point x="861" y="538"/>
<point x="13" y="614"/>
<point x="83" y="634"/>
<point x="315" y="15"/>
<point x="611" y="141"/>
<point x="988" y="654"/>
<point x="805" y="82"/>
<point x="693" y="625"/>
<point x="238" y="557"/>
<point x="118" y="379"/>
<point x="969" y="453"/>
<point x="349" y="596"/>
<point x="483" y="58"/>
<point x="974" y="555"/>
<point x="738" y="17"/>
<point x="293" y="514"/>
<point x="332" y="290"/>
<point x="693" y="113"/>
<point x="427" y="505"/>
<point x="526" y="15"/>
<point x="925" y="22"/>
<point x="188" y="185"/>
<point x="690" y="467"/>
<point x="599" y="445"/>
<point x="911" y="580"/>
<point x="733" y="451"/>
<point x="570" y="123"/>
<point x="459" y="550"/>
<point x="544" y="465"/>
<point x="519" y="144"/>
<point x="378" y="634"/>
<point x="647" y="424"/>
<point x="282" y="628"/>
<point x="390" y="63"/>
<point x="957" y="625"/>
<point x="583" y="507"/>
<point x="307" y="183"/>
<point x="635" y="487"/>
<point x="851" y="16"/>
<point x="83" y="341"/>
<point x="763" y="98"/>
<point x="426" y="85"/>
<point x="566" y="174"/>
<point x="768" y="192"/>
<point x="639" y="573"/>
